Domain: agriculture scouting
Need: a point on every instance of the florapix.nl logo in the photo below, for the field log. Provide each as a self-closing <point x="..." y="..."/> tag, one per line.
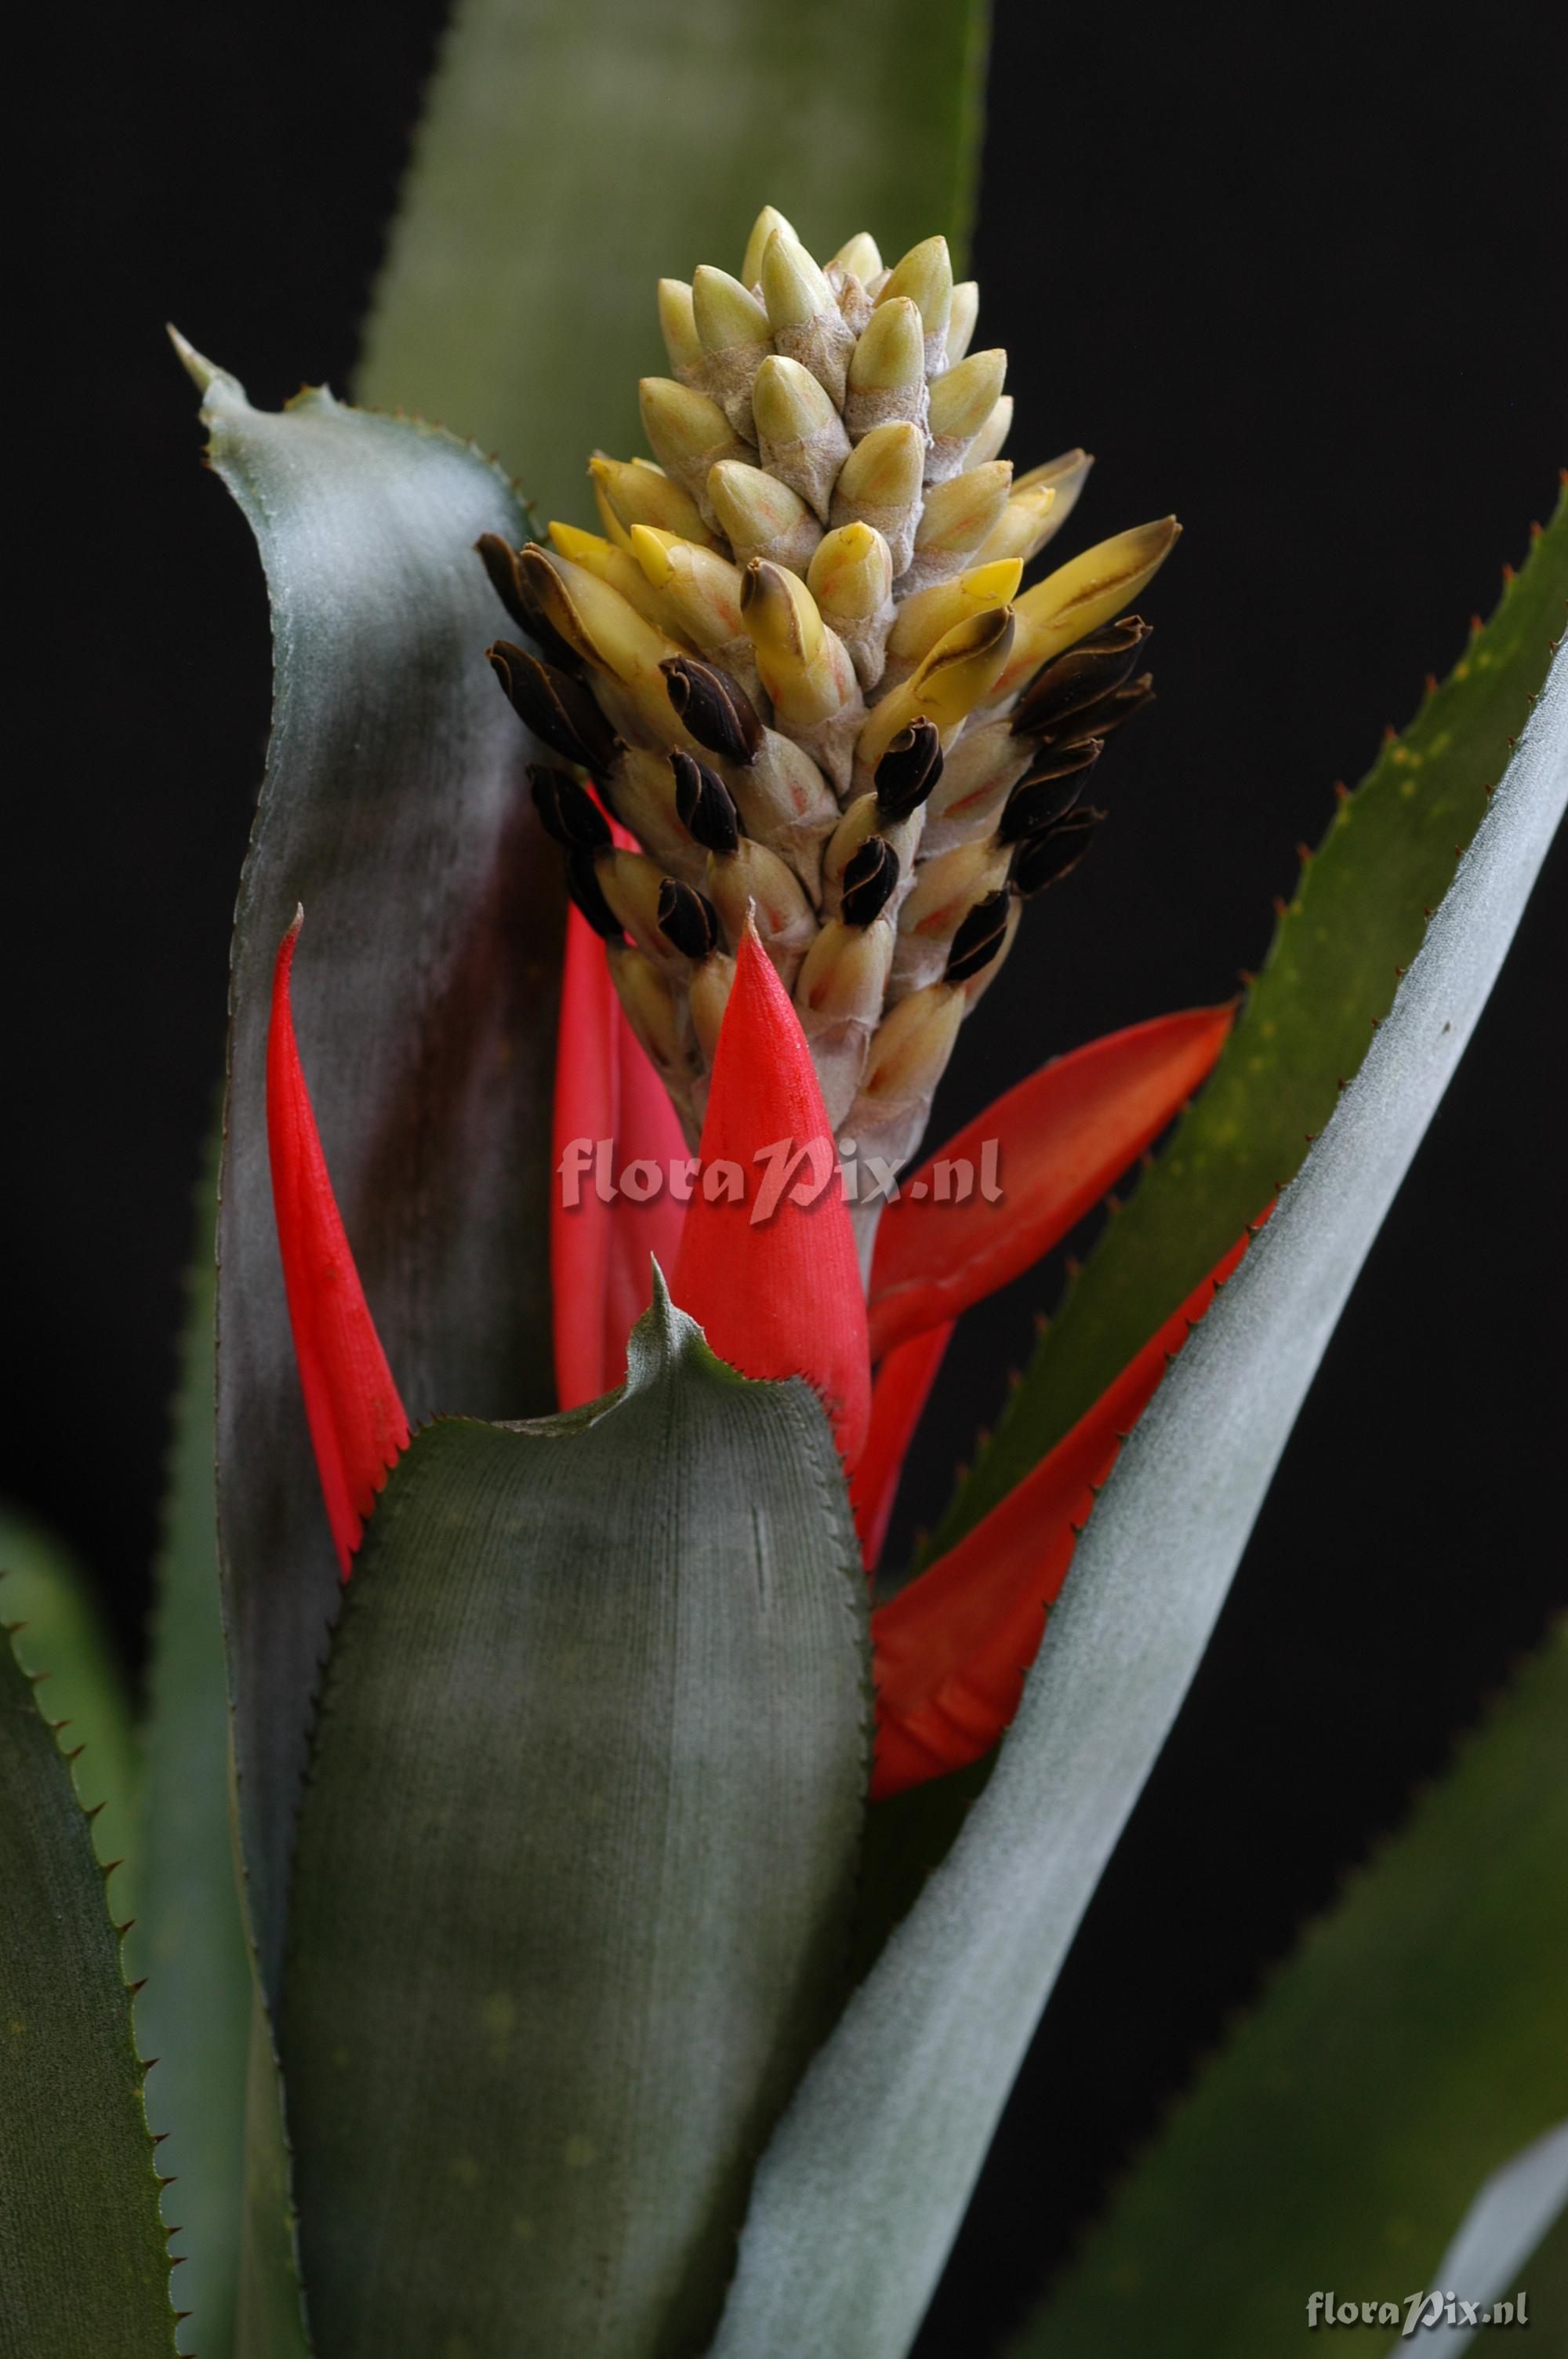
<point x="787" y="1171"/>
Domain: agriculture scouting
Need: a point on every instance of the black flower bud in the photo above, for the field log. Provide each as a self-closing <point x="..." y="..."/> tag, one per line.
<point x="869" y="877"/>
<point x="1078" y="678"/>
<point x="566" y="810"/>
<point x="1106" y="712"/>
<point x="556" y="707"/>
<point x="909" y="770"/>
<point x="978" y="939"/>
<point x="705" y="805"/>
<point x="688" y="919"/>
<point x="714" y="708"/>
<point x="583" y="885"/>
<point x="1046" y="859"/>
<point x="1048" y="789"/>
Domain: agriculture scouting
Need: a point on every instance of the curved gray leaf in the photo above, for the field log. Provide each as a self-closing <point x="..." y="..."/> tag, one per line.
<point x="862" y="2188"/>
<point x="424" y="1000"/>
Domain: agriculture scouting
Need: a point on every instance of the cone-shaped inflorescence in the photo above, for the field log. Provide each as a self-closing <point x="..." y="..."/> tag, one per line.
<point x="797" y="662"/>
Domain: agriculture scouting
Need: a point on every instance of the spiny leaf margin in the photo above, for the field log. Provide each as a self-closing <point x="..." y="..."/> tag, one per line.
<point x="87" y="2266"/>
<point x="600" y="1692"/>
<point x="1400" y="2054"/>
<point x="1341" y="944"/>
<point x="863" y="2184"/>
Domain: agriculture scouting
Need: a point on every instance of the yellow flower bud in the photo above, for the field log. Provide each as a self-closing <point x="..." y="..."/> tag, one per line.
<point x="677" y="325"/>
<point x="601" y="558"/>
<point x="850" y="574"/>
<point x="1023" y="528"/>
<point x="957" y="517"/>
<point x="878" y="484"/>
<point x="858" y="255"/>
<point x="698" y="588"/>
<point x="754" y="881"/>
<point x="850" y="577"/>
<point x="926" y="275"/>
<point x="1067" y="477"/>
<point x="887" y="370"/>
<point x="959" y="672"/>
<point x="962" y="398"/>
<point x="712" y="982"/>
<point x="598" y="620"/>
<point x="838" y="998"/>
<point x="689" y="432"/>
<point x="736" y="340"/>
<point x="1081" y="595"/>
<point x="961" y="319"/>
<point x="805" y="667"/>
<point x="762" y="516"/>
<point x="637" y="492"/>
<point x="801" y="434"/>
<point x="804" y="314"/>
<point x="930" y="614"/>
<point x="992" y="435"/>
<point x="767" y="221"/>
<point x="945" y="890"/>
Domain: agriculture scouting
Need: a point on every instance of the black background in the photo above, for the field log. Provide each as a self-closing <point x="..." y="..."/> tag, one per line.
<point x="1302" y="288"/>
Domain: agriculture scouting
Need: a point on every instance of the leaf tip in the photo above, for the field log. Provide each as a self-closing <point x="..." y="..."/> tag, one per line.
<point x="203" y="374"/>
<point x="660" y="1337"/>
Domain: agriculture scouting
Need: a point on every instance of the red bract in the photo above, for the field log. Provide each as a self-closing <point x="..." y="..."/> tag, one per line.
<point x="1064" y="1135"/>
<point x="898" y="1397"/>
<point x="357" y="1423"/>
<point x="952" y="1647"/>
<point x="603" y="1247"/>
<point x="774" y="1286"/>
<point x="763" y="1259"/>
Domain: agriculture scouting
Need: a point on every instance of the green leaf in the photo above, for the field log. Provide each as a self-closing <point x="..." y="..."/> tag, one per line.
<point x="575" y="1861"/>
<point x="85" y="2267"/>
<point x="272" y="2322"/>
<point x="1355" y="924"/>
<point x="188" y="1940"/>
<point x="424" y="997"/>
<point x="1410" y="2046"/>
<point x="61" y="1633"/>
<point x="863" y="2184"/>
<point x="570" y="157"/>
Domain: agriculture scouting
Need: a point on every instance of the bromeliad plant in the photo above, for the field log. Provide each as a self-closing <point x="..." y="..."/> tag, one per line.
<point x="635" y="1972"/>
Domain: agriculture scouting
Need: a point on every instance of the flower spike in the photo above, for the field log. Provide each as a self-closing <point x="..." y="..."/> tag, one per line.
<point x="767" y="1262"/>
<point x="358" y="1428"/>
<point x="820" y="563"/>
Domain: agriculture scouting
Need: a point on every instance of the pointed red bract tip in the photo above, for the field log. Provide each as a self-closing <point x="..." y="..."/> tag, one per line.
<point x="767" y="1263"/>
<point x="899" y="1396"/>
<point x="1056" y="1143"/>
<point x="952" y="1649"/>
<point x="358" y="1428"/>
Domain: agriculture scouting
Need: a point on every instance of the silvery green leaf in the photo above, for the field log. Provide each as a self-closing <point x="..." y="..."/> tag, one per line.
<point x="863" y="2185"/>
<point x="1510" y="2217"/>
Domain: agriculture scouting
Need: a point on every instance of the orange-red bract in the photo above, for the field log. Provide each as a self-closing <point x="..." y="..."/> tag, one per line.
<point x="1064" y="1135"/>
<point x="603" y="1247"/>
<point x="357" y="1423"/>
<point x="952" y="1649"/>
<point x="899" y="1393"/>
<point x="781" y="1295"/>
